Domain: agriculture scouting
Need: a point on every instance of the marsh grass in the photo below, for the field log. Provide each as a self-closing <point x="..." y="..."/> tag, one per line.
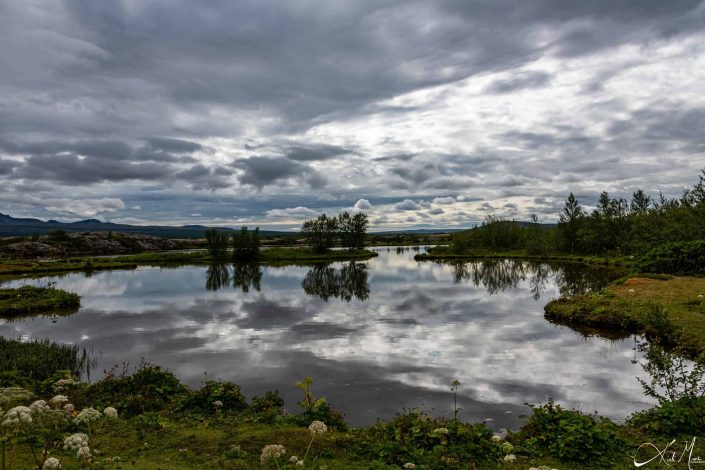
<point x="26" y="300"/>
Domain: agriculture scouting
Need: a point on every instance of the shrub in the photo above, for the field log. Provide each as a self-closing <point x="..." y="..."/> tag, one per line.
<point x="216" y="243"/>
<point x="149" y="388"/>
<point x="416" y="437"/>
<point x="675" y="258"/>
<point x="571" y="436"/>
<point x="227" y="393"/>
<point x="246" y="244"/>
<point x="40" y="360"/>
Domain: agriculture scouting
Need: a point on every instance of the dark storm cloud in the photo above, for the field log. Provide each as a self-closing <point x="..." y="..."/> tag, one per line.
<point x="6" y="166"/>
<point x="263" y="171"/>
<point x="173" y="145"/>
<point x="520" y="82"/>
<point x="315" y="152"/>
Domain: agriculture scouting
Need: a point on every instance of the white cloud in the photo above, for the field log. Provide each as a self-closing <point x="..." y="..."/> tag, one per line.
<point x="407" y="205"/>
<point x="84" y="207"/>
<point x="363" y="204"/>
<point x="444" y="200"/>
<point x="299" y="212"/>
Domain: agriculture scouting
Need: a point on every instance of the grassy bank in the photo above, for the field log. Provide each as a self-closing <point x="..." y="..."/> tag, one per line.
<point x="27" y="300"/>
<point x="161" y="423"/>
<point x="667" y="308"/>
<point x="14" y="267"/>
<point x="446" y="253"/>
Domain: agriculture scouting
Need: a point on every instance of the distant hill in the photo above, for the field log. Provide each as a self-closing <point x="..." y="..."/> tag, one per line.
<point x="15" y="227"/>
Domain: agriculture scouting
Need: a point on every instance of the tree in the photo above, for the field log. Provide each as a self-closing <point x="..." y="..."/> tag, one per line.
<point x="353" y="230"/>
<point x="536" y="243"/>
<point x="216" y="243"/>
<point x="569" y="222"/>
<point x="321" y="232"/>
<point x="640" y="202"/>
<point x="246" y="244"/>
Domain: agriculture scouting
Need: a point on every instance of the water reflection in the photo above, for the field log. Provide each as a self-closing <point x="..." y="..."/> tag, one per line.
<point x="345" y="283"/>
<point x="244" y="277"/>
<point x="375" y="336"/>
<point x="497" y="275"/>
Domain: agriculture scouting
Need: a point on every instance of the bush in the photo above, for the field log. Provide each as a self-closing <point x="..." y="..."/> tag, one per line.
<point x="571" y="436"/>
<point x="39" y="360"/>
<point x="437" y="443"/>
<point x="270" y="401"/>
<point x="246" y="245"/>
<point x="212" y="391"/>
<point x="675" y="258"/>
<point x="216" y="243"/>
<point x="684" y="417"/>
<point x="148" y="389"/>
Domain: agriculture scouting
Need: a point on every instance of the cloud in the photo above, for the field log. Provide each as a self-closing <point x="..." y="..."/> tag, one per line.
<point x="444" y="200"/>
<point x="292" y="213"/>
<point x="315" y="152"/>
<point x="263" y="171"/>
<point x="407" y="205"/>
<point x="363" y="205"/>
<point x="522" y="81"/>
<point x="84" y="207"/>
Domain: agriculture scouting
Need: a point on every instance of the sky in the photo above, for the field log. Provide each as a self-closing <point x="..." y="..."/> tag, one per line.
<point x="422" y="114"/>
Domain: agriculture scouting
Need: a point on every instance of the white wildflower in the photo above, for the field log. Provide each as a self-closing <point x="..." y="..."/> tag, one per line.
<point x="84" y="453"/>
<point x="52" y="463"/>
<point x="409" y="465"/>
<point x="58" y="401"/>
<point x="110" y="412"/>
<point x="631" y="291"/>
<point x="318" y="427"/>
<point x="510" y="458"/>
<point x="18" y="415"/>
<point x="63" y="385"/>
<point x="68" y="408"/>
<point x="39" y="407"/>
<point x="87" y="415"/>
<point x="496" y="438"/>
<point x="300" y="463"/>
<point x="75" y="441"/>
<point x="218" y="404"/>
<point x="507" y="448"/>
<point x="272" y="452"/>
<point x="439" y="432"/>
<point x="293" y="459"/>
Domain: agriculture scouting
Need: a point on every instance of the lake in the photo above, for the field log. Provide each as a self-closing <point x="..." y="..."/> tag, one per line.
<point x="376" y="336"/>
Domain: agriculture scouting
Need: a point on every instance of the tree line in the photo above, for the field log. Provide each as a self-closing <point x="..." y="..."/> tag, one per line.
<point x="324" y="232"/>
<point x="246" y="244"/>
<point x="615" y="227"/>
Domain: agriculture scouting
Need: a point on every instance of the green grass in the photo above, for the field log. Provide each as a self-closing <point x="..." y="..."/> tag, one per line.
<point x="23" y="362"/>
<point x="28" y="300"/>
<point x="626" y="306"/>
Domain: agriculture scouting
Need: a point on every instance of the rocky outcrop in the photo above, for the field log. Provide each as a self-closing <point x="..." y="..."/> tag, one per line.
<point x="89" y="243"/>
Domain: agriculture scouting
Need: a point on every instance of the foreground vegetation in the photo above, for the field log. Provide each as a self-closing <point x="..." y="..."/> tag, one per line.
<point x="145" y="418"/>
<point x="28" y="300"/>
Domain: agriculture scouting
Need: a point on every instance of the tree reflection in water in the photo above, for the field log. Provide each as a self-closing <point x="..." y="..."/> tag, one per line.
<point x="346" y="283"/>
<point x="244" y="277"/>
<point x="496" y="275"/>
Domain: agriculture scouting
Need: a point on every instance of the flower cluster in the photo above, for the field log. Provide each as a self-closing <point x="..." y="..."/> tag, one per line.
<point x="510" y="458"/>
<point x="13" y="395"/>
<point x="58" y="401"/>
<point x="39" y="407"/>
<point x="87" y="415"/>
<point x="52" y="463"/>
<point x="63" y="385"/>
<point x="439" y="432"/>
<point x="16" y="416"/>
<point x="218" y="404"/>
<point x="75" y="441"/>
<point x="272" y="452"/>
<point x="318" y="427"/>
<point x="68" y="408"/>
<point x="295" y="460"/>
<point x="110" y="412"/>
<point x="409" y="465"/>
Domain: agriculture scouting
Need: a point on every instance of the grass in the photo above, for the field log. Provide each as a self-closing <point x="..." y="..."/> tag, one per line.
<point x="626" y="306"/>
<point x="15" y="267"/>
<point x="38" y="360"/>
<point x="27" y="300"/>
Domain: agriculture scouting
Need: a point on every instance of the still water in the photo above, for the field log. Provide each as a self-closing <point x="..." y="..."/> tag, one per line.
<point x="376" y="336"/>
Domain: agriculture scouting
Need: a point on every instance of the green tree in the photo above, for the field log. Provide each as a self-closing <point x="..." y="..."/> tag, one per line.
<point x="569" y="222"/>
<point x="321" y="233"/>
<point x="640" y="202"/>
<point x="353" y="230"/>
<point x="246" y="245"/>
<point x="216" y="243"/>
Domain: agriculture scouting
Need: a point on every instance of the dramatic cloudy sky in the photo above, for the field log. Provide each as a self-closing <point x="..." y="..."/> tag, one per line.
<point x="421" y="113"/>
